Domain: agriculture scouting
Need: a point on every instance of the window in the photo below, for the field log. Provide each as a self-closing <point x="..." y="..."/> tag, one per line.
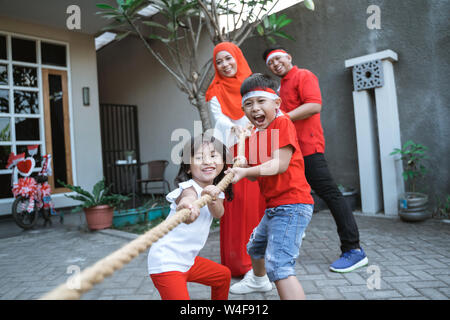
<point x="34" y="105"/>
<point x="2" y="47"/>
<point x="53" y="54"/>
<point x="23" y="50"/>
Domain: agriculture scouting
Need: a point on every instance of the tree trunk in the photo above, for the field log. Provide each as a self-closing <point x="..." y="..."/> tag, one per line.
<point x="203" y="110"/>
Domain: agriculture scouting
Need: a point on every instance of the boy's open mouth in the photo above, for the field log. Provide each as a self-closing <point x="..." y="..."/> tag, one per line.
<point x="259" y="119"/>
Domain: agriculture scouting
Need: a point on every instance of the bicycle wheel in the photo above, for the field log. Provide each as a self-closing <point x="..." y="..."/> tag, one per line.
<point x="24" y="219"/>
<point x="45" y="212"/>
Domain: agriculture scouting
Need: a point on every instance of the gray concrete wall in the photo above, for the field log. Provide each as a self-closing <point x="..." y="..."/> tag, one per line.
<point x="419" y="31"/>
<point x="129" y="74"/>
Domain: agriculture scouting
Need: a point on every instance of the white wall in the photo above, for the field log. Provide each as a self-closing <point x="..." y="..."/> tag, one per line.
<point x="87" y="152"/>
<point x="129" y="74"/>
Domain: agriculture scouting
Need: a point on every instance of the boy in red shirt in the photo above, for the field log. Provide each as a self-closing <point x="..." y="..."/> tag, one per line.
<point x="302" y="102"/>
<point x="274" y="159"/>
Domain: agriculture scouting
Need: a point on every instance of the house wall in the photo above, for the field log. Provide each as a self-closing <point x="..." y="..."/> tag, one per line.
<point x="86" y="142"/>
<point x="129" y="74"/>
<point x="419" y="31"/>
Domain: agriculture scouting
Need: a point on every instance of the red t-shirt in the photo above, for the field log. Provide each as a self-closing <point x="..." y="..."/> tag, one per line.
<point x="289" y="187"/>
<point x="300" y="86"/>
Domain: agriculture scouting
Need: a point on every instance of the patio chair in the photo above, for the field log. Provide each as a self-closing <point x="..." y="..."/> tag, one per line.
<point x="156" y="170"/>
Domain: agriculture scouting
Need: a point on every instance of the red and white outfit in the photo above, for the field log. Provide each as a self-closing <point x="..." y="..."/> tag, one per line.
<point x="173" y="260"/>
<point x="289" y="187"/>
<point x="300" y="86"/>
<point x="245" y="211"/>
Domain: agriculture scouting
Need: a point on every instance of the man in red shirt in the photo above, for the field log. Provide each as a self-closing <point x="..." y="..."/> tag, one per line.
<point x="302" y="102"/>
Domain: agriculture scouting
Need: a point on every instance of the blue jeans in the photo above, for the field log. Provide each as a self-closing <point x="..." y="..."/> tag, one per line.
<point x="278" y="237"/>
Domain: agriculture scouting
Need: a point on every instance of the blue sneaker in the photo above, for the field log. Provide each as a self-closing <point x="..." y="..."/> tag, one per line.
<point x="350" y="261"/>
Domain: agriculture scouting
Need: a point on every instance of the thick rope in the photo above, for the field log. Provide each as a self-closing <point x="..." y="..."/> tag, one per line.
<point x="116" y="260"/>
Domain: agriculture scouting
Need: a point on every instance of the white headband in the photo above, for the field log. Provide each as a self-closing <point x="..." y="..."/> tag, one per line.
<point x="259" y="93"/>
<point x="275" y="54"/>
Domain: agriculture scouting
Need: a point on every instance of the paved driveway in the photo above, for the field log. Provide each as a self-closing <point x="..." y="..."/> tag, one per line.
<point x="411" y="259"/>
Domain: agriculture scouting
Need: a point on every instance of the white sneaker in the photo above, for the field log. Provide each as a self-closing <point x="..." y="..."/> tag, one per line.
<point x="251" y="283"/>
<point x="303" y="235"/>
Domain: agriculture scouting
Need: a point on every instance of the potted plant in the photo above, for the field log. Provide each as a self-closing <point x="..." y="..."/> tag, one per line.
<point x="98" y="206"/>
<point x="413" y="205"/>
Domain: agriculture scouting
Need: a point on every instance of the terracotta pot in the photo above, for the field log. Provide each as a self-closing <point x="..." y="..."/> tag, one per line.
<point x="99" y="217"/>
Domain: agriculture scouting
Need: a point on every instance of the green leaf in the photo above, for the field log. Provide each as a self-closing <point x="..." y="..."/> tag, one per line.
<point x="78" y="198"/>
<point x="283" y="35"/>
<point x="105" y="6"/>
<point x="260" y="30"/>
<point x="266" y="23"/>
<point x="154" y="24"/>
<point x="272" y="40"/>
<point x="309" y="4"/>
<point x="121" y="36"/>
<point x="98" y="188"/>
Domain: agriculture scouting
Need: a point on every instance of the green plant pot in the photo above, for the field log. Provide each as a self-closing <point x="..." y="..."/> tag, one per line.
<point x="128" y="217"/>
<point x="134" y="216"/>
<point x="157" y="212"/>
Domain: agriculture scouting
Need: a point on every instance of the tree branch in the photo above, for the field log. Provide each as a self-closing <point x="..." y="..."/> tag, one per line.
<point x="180" y="82"/>
<point x="211" y="19"/>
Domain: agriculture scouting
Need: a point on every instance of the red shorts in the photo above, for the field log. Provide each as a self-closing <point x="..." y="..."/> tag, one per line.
<point x="172" y="285"/>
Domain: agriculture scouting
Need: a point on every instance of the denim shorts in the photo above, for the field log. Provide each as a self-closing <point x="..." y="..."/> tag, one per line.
<point x="278" y="237"/>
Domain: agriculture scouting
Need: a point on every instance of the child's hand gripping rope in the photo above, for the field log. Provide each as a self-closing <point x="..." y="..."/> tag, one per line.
<point x="116" y="260"/>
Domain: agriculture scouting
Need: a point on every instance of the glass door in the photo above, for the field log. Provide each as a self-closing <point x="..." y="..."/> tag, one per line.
<point x="57" y="126"/>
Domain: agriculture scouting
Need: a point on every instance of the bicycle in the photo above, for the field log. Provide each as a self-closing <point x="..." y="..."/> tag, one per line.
<point x="32" y="194"/>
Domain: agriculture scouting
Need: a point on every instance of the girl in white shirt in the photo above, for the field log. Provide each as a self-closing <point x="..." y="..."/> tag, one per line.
<point x="173" y="260"/>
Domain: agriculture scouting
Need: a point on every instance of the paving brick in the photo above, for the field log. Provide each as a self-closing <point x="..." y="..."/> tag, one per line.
<point x="331" y="283"/>
<point x="399" y="279"/>
<point x="355" y="278"/>
<point x="433" y="294"/>
<point x="413" y="258"/>
<point x="353" y="296"/>
<point x="382" y="294"/>
<point x="427" y="284"/>
<point x="405" y="289"/>
<point x="315" y="296"/>
<point x="353" y="288"/>
<point x="331" y="293"/>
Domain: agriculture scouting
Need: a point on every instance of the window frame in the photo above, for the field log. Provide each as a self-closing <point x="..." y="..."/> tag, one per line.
<point x="39" y="89"/>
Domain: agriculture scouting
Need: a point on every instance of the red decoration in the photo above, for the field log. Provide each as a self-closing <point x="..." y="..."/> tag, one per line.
<point x="13" y="159"/>
<point x="32" y="150"/>
<point x="25" y="167"/>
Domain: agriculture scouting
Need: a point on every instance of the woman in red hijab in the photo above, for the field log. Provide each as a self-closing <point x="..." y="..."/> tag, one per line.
<point x="245" y="211"/>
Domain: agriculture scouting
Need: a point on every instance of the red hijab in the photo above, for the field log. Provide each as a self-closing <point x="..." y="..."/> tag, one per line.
<point x="227" y="90"/>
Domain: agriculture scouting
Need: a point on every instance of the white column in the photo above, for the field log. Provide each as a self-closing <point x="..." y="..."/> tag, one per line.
<point x="389" y="137"/>
<point x="369" y="172"/>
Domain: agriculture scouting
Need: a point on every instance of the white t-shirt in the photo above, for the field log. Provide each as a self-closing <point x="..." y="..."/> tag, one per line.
<point x="176" y="251"/>
<point x="223" y="124"/>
